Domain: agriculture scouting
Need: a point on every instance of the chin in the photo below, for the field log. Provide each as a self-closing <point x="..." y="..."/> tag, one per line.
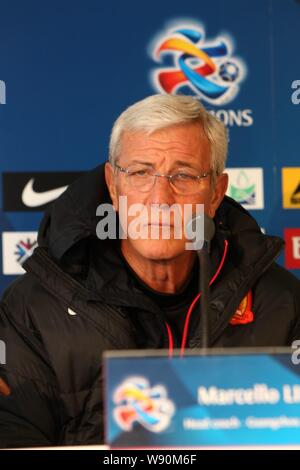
<point x="159" y="249"/>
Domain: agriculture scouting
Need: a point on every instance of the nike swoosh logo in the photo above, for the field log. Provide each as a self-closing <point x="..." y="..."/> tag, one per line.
<point x="31" y="198"/>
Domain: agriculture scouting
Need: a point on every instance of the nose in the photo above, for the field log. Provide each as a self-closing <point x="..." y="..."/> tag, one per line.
<point x="161" y="192"/>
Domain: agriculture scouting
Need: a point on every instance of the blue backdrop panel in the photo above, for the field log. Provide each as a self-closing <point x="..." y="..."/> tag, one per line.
<point x="68" y="68"/>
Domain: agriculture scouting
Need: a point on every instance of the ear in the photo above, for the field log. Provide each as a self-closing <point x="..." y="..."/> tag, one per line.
<point x="111" y="184"/>
<point x="218" y="193"/>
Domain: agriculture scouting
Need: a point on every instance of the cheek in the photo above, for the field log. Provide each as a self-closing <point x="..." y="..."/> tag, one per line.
<point x="191" y="207"/>
<point x="130" y="202"/>
<point x="209" y="206"/>
<point x="114" y="196"/>
<point x="207" y="200"/>
<point x="124" y="197"/>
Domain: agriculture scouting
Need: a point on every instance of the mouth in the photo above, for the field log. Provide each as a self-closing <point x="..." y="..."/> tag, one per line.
<point x="159" y="224"/>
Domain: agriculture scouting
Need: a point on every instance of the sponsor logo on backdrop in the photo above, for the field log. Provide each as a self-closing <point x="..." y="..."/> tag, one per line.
<point x="34" y="191"/>
<point x="295" y="199"/>
<point x="292" y="248"/>
<point x="291" y="188"/>
<point x="137" y="402"/>
<point x="17" y="247"/>
<point x="196" y="65"/>
<point x="246" y="187"/>
<point x="295" y="97"/>
<point x="2" y="92"/>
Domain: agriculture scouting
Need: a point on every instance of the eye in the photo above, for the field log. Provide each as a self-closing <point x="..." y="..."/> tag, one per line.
<point x="183" y="176"/>
<point x="139" y="172"/>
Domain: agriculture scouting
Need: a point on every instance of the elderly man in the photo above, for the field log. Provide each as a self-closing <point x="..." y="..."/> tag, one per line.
<point x="82" y="295"/>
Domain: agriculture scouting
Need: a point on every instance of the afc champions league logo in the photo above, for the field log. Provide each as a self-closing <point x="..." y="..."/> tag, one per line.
<point x="196" y="66"/>
<point x="137" y="402"/>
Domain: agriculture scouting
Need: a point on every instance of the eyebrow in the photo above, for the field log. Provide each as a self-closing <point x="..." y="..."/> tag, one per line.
<point x="141" y="163"/>
<point x="184" y="163"/>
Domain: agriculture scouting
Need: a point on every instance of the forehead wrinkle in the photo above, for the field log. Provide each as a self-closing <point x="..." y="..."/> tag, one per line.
<point x="174" y="147"/>
<point x="174" y="151"/>
<point x="165" y="137"/>
<point x="162" y="144"/>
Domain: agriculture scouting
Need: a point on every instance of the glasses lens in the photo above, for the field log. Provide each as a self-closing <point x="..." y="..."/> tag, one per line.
<point x="186" y="185"/>
<point x="141" y="180"/>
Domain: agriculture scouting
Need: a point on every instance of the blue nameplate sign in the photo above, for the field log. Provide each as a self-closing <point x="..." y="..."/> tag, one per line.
<point x="224" y="398"/>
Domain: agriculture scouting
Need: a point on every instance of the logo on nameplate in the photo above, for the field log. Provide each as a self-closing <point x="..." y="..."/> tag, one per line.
<point x="137" y="402"/>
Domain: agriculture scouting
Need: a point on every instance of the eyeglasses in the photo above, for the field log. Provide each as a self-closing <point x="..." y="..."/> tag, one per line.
<point x="143" y="179"/>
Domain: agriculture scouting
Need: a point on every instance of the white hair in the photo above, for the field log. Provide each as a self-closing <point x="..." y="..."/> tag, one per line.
<point x="160" y="111"/>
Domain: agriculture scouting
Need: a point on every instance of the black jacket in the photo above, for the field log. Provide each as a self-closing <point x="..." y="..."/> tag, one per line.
<point x="53" y="357"/>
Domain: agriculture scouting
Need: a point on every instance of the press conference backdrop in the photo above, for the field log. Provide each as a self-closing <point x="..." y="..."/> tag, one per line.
<point x="69" y="67"/>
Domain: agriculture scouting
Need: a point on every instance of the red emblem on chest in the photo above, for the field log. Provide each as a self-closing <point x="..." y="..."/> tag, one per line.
<point x="243" y="314"/>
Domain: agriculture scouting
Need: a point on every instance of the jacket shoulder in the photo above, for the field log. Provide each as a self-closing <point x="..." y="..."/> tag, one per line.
<point x="29" y="410"/>
<point x="26" y="354"/>
<point x="277" y="277"/>
<point x="19" y="295"/>
<point x="277" y="295"/>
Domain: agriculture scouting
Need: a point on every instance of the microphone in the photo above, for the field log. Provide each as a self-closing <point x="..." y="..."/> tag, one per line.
<point x="200" y="229"/>
<point x="201" y="239"/>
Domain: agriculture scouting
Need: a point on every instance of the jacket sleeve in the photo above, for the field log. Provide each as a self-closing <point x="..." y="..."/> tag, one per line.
<point x="29" y="404"/>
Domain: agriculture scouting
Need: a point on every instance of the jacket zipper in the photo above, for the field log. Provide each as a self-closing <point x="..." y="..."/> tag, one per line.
<point x="191" y="308"/>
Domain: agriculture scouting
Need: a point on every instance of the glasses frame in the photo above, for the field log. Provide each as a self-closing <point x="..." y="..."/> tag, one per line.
<point x="161" y="175"/>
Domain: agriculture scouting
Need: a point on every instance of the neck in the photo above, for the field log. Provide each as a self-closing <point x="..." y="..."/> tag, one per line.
<point x="163" y="275"/>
